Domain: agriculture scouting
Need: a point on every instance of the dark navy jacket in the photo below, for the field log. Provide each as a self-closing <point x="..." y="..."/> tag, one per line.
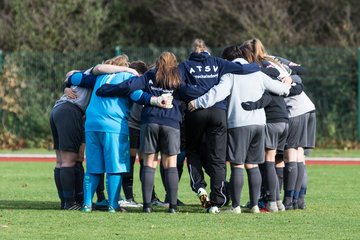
<point x="276" y="110"/>
<point x="150" y="114"/>
<point x="202" y="71"/>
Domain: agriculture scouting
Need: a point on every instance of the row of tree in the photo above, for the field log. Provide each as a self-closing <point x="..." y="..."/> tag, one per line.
<point x="67" y="25"/>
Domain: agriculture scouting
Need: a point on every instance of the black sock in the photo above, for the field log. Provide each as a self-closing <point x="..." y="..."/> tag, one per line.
<point x="264" y="184"/>
<point x="236" y="183"/>
<point x="180" y="169"/>
<point x="271" y="179"/>
<point x="147" y="183"/>
<point x="59" y="187"/>
<point x="100" y="188"/>
<point x="254" y="181"/>
<point x="290" y="176"/>
<point x="79" y="183"/>
<point x="299" y="180"/>
<point x="153" y="195"/>
<point x="128" y="180"/>
<point x="280" y="176"/>
<point x="67" y="177"/>
<point x="303" y="188"/>
<point x="172" y="183"/>
<point x="162" y="173"/>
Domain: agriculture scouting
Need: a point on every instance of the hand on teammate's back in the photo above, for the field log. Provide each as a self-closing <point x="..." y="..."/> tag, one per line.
<point x="163" y="101"/>
<point x="249" y="106"/>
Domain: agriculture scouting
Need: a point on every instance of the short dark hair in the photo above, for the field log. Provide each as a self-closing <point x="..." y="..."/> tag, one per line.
<point x="139" y="66"/>
<point x="231" y="53"/>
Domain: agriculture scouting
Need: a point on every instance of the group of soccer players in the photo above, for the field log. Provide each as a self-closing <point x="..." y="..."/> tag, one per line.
<point x="247" y="107"/>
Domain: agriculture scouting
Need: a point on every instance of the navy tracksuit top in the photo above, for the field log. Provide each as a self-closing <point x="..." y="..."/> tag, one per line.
<point x="202" y="71"/>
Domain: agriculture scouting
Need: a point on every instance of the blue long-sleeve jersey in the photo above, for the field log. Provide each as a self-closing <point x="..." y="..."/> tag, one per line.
<point x="106" y="114"/>
<point x="150" y="114"/>
<point x="202" y="71"/>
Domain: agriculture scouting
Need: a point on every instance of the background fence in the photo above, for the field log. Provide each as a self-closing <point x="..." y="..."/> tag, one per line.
<point x="30" y="83"/>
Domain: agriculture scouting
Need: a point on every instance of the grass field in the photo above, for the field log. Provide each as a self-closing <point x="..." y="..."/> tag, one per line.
<point x="29" y="210"/>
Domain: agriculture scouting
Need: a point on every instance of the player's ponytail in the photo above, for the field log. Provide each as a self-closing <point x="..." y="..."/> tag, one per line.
<point x="167" y="74"/>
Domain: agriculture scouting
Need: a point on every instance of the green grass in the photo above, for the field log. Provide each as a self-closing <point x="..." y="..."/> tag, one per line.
<point x="29" y="210"/>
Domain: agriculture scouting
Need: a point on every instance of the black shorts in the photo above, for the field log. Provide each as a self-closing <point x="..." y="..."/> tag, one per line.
<point x="275" y="135"/>
<point x="246" y="145"/>
<point x="302" y="131"/>
<point x="155" y="138"/>
<point x="67" y="127"/>
<point x="134" y="138"/>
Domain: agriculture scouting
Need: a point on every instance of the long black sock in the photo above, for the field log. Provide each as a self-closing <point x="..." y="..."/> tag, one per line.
<point x="162" y="173"/>
<point x="290" y="176"/>
<point x="153" y="195"/>
<point x="280" y="175"/>
<point x="67" y="177"/>
<point x="59" y="187"/>
<point x="79" y="183"/>
<point x="254" y="181"/>
<point x="302" y="192"/>
<point x="180" y="169"/>
<point x="100" y="188"/>
<point x="128" y="180"/>
<point x="172" y="183"/>
<point x="236" y="183"/>
<point x="299" y="180"/>
<point x="264" y="185"/>
<point x="271" y="179"/>
<point x="147" y="183"/>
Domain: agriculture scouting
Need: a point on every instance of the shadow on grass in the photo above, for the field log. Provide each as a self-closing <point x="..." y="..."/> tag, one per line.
<point x="25" y="204"/>
<point x="41" y="205"/>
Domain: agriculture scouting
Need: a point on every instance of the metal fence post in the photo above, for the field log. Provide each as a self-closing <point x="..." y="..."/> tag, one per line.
<point x="358" y="92"/>
<point x="117" y="50"/>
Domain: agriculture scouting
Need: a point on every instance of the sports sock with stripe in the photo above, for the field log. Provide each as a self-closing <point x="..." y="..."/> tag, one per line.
<point x="67" y="178"/>
<point x="113" y="186"/>
<point x="91" y="182"/>
<point x="290" y="176"/>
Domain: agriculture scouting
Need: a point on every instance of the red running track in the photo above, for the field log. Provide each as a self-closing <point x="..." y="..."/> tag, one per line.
<point x="51" y="158"/>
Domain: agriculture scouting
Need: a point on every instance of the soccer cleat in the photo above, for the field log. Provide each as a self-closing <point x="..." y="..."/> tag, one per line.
<point x="246" y="205"/>
<point x="147" y="210"/>
<point x="280" y="206"/>
<point x="213" y="209"/>
<point x="236" y="210"/>
<point x="172" y="210"/>
<point x="158" y="203"/>
<point x="301" y="203"/>
<point x="295" y="204"/>
<point x="111" y="209"/>
<point x="102" y="205"/>
<point x="254" y="209"/>
<point x="204" y="199"/>
<point x="129" y="203"/>
<point x="72" y="206"/>
<point x="288" y="206"/>
<point x="272" y="207"/>
<point x="86" y="209"/>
